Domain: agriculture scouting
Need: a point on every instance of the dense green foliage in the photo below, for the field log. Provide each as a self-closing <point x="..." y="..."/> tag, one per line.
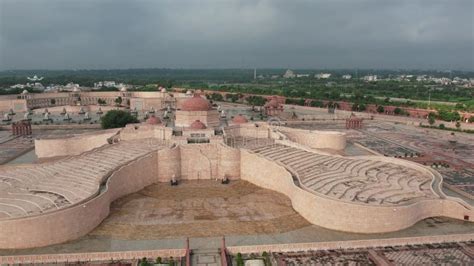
<point x="116" y="119"/>
<point x="239" y="260"/>
<point x="256" y="100"/>
<point x="407" y="93"/>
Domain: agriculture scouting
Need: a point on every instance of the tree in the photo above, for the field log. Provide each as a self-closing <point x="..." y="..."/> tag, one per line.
<point x="117" y="118"/>
<point x="458" y="125"/>
<point x="256" y="101"/>
<point x="266" y="258"/>
<point x="239" y="260"/>
<point x="53" y="101"/>
<point x="118" y="100"/>
<point x="380" y="109"/>
<point x="398" y="111"/>
<point x="359" y="107"/>
<point x="317" y="104"/>
<point x="143" y="262"/>
<point x="232" y="97"/>
<point x="358" y="95"/>
<point x="334" y="95"/>
<point x="431" y="120"/>
<point x="471" y="119"/>
<point x="442" y="126"/>
<point x="216" y="97"/>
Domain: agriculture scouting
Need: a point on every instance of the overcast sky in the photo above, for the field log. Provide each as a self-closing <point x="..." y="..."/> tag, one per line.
<point x="78" y="34"/>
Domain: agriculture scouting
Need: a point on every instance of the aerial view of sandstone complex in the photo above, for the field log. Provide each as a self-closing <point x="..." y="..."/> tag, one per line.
<point x="236" y="132"/>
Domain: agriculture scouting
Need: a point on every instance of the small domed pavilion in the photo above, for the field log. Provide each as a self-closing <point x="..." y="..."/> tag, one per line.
<point x="240" y="119"/>
<point x="196" y="108"/>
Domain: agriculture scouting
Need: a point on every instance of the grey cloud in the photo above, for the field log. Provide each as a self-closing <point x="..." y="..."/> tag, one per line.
<point x="59" y="34"/>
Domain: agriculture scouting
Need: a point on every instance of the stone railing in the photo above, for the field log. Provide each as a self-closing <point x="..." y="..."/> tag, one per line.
<point x="177" y="254"/>
<point x="352" y="244"/>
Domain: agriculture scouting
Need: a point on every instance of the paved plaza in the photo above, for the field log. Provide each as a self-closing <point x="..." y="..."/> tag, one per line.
<point x="199" y="209"/>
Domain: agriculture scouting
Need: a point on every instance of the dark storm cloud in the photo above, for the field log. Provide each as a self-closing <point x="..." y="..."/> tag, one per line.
<point x="249" y="33"/>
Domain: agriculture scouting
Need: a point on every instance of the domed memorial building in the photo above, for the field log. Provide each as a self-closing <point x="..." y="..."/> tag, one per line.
<point x="196" y="108"/>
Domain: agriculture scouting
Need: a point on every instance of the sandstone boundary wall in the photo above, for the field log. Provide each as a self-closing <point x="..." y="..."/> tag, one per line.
<point x="339" y="215"/>
<point x="352" y="244"/>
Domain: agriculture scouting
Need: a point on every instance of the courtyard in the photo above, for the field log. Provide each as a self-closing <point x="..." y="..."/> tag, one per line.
<point x="199" y="209"/>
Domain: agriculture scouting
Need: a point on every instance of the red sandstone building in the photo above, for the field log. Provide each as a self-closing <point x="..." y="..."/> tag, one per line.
<point x="354" y="122"/>
<point x="273" y="106"/>
<point x="21" y="128"/>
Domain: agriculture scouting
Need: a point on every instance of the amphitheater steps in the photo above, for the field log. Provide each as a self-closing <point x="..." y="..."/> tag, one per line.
<point x="350" y="179"/>
<point x="38" y="188"/>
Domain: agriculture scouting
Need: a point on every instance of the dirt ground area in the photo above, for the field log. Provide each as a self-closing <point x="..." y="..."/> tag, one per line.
<point x="199" y="209"/>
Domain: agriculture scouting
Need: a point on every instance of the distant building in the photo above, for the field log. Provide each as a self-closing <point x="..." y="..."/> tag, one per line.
<point x="420" y="78"/>
<point x="370" y="78"/>
<point x="34" y="78"/>
<point x="302" y="75"/>
<point x="71" y="87"/>
<point x="18" y="86"/>
<point x="289" y="74"/>
<point x="346" y="76"/>
<point x="108" y="84"/>
<point x="322" y="75"/>
<point x="35" y="85"/>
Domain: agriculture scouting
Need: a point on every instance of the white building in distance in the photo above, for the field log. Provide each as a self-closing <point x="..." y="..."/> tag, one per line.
<point x="105" y="84"/>
<point x="289" y="74"/>
<point x="302" y="75"/>
<point x="322" y="75"/>
<point x="370" y="78"/>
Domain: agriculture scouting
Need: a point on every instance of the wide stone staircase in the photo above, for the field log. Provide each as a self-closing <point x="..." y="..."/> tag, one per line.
<point x="35" y="189"/>
<point x="349" y="179"/>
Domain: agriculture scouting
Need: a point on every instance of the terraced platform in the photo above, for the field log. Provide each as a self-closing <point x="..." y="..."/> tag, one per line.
<point x="352" y="180"/>
<point x="34" y="189"/>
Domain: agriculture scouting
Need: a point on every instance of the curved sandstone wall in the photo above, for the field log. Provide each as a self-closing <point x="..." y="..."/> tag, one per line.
<point x="209" y="161"/>
<point x="145" y="131"/>
<point x="229" y="162"/>
<point x="339" y="215"/>
<point x="76" y="221"/>
<point x="169" y="164"/>
<point x="316" y="139"/>
<point x="73" y="145"/>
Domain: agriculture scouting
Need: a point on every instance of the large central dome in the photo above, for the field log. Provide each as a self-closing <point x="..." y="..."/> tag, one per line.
<point x="196" y="103"/>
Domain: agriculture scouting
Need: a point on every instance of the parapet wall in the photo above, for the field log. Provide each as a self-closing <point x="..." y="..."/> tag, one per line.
<point x="351" y="244"/>
<point x="74" y="145"/>
<point x="7" y="103"/>
<point x="199" y="161"/>
<point x="78" y="220"/>
<point x="145" y="131"/>
<point x="316" y="139"/>
<point x="249" y="130"/>
<point x="338" y="215"/>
